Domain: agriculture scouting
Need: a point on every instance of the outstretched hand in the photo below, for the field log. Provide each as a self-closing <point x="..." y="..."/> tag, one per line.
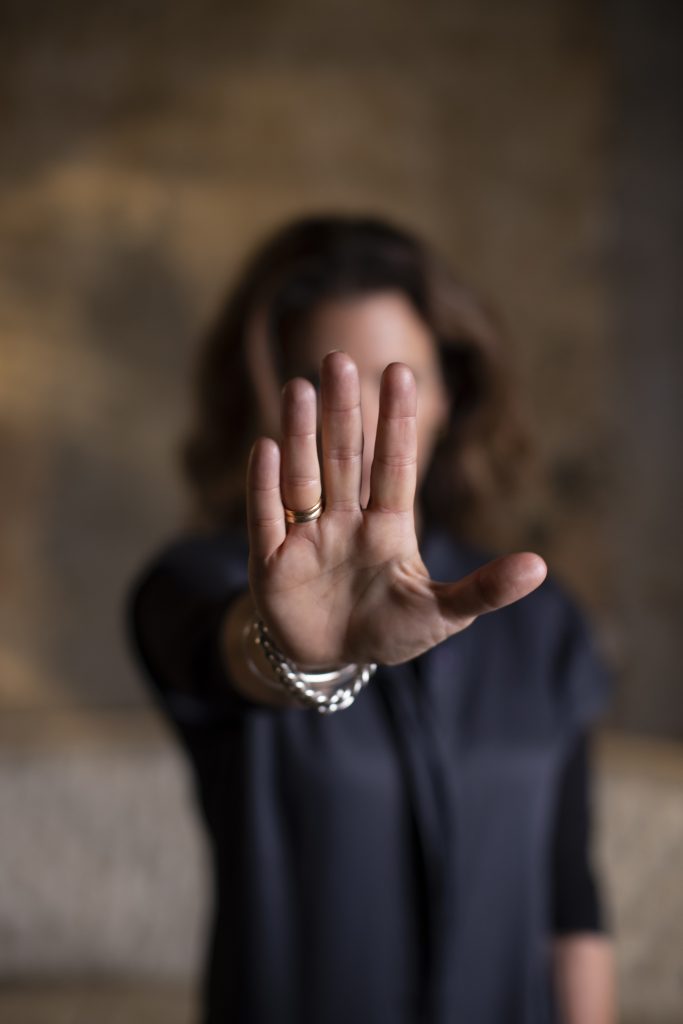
<point x="351" y="585"/>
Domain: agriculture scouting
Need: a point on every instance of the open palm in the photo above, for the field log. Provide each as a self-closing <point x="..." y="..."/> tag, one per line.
<point x="351" y="585"/>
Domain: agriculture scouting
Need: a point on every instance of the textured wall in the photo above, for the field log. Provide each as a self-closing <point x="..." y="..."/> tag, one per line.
<point x="646" y="276"/>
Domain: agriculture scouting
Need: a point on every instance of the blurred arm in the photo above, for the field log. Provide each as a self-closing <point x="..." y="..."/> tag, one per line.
<point x="583" y="966"/>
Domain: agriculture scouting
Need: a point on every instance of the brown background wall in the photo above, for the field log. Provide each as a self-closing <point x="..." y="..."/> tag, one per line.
<point x="145" y="152"/>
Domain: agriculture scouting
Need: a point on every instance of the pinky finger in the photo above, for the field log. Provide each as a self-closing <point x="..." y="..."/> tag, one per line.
<point x="265" y="511"/>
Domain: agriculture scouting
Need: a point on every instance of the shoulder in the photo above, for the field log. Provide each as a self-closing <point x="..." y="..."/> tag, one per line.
<point x="568" y="649"/>
<point x="190" y="559"/>
<point x="546" y="640"/>
<point x="186" y="580"/>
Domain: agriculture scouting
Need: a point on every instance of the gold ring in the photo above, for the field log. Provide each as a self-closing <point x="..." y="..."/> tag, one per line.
<point x="307" y="515"/>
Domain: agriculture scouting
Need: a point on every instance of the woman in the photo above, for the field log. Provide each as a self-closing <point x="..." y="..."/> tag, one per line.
<point x="393" y="771"/>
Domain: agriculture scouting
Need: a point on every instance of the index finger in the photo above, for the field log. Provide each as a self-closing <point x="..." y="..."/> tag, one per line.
<point x="393" y="476"/>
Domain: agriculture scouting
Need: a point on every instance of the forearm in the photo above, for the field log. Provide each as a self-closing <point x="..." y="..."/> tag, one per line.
<point x="584" y="978"/>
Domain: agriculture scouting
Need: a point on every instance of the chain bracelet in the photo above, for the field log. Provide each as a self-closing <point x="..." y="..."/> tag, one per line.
<point x="297" y="683"/>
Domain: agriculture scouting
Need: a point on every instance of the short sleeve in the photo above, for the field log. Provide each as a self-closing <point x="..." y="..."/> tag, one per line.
<point x="174" y="610"/>
<point x="576" y="900"/>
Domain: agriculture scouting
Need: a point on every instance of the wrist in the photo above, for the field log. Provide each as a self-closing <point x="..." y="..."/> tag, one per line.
<point x="249" y="671"/>
<point x="327" y="691"/>
<point x="306" y="667"/>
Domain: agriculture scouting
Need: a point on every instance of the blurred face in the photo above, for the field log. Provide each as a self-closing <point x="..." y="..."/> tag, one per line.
<point x="375" y="330"/>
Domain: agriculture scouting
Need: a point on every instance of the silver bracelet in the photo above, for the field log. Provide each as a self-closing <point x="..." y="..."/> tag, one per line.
<point x="350" y="679"/>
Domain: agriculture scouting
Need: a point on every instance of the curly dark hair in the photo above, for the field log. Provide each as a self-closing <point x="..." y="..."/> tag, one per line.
<point x="479" y="457"/>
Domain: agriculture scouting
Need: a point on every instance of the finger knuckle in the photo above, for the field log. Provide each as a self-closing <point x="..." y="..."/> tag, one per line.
<point x="303" y="481"/>
<point x="265" y="522"/>
<point x="345" y="455"/>
<point x="398" y="460"/>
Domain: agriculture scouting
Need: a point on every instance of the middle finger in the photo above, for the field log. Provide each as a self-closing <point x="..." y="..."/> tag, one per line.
<point x="342" y="432"/>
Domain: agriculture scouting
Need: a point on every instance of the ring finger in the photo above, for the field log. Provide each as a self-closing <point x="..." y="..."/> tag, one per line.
<point x="300" y="473"/>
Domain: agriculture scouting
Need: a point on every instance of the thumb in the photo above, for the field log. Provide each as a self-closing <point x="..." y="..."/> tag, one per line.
<point x="498" y="583"/>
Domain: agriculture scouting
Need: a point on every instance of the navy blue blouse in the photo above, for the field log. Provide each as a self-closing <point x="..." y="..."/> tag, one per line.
<point x="408" y="859"/>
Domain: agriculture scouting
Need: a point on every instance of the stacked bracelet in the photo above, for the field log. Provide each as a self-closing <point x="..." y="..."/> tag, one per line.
<point x="350" y="679"/>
